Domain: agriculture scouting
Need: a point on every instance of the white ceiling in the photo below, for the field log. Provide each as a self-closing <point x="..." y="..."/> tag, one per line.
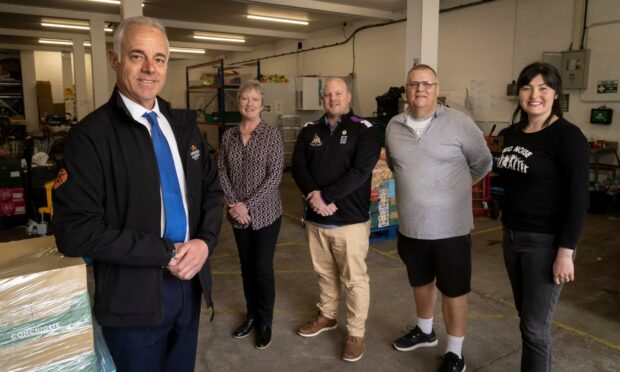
<point x="20" y="19"/>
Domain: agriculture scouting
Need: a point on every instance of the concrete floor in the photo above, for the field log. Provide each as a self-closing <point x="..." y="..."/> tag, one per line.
<point x="586" y="331"/>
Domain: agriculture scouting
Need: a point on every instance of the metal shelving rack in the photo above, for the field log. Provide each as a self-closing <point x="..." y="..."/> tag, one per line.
<point x="219" y="86"/>
<point x="11" y="97"/>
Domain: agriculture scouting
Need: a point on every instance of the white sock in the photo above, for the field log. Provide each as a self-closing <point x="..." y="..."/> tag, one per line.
<point x="455" y="345"/>
<point x="426" y="325"/>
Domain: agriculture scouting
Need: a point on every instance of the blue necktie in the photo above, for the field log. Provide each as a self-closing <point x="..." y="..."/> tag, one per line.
<point x="171" y="192"/>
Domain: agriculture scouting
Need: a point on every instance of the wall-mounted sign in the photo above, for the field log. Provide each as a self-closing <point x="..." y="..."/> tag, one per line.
<point x="607" y="86"/>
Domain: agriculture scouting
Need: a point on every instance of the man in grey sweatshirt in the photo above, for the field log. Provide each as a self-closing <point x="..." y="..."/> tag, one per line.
<point x="436" y="153"/>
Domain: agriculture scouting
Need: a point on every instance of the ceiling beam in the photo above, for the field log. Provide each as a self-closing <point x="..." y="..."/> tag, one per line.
<point x="232" y="48"/>
<point x="200" y="26"/>
<point x="197" y="26"/>
<point x="109" y="39"/>
<point x="56" y="12"/>
<point x="327" y="7"/>
<point x="45" y="48"/>
<point x="46" y="34"/>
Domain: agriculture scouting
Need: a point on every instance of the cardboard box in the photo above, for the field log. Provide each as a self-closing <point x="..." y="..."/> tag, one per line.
<point x="12" y="208"/>
<point x="45" y="105"/>
<point x="45" y="318"/>
<point x="16" y="193"/>
<point x="44" y="89"/>
<point x="74" y="352"/>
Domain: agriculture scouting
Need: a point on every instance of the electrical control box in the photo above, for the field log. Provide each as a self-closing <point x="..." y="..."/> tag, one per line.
<point x="309" y="93"/>
<point x="574" y="71"/>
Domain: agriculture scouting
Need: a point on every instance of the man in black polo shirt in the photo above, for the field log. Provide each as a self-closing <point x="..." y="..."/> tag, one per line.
<point x="332" y="165"/>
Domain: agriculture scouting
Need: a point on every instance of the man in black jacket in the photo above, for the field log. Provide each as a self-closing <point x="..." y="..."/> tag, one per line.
<point x="139" y="194"/>
<point x="332" y="165"/>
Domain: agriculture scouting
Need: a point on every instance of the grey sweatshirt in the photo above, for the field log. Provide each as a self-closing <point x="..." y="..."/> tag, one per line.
<point x="434" y="173"/>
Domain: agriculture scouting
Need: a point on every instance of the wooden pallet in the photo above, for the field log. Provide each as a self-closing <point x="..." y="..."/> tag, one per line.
<point x="378" y="234"/>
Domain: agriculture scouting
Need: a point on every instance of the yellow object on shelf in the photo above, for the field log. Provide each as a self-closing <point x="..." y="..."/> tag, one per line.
<point x="49" y="209"/>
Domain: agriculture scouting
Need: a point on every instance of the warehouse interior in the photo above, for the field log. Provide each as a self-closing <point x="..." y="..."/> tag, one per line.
<point x="52" y="77"/>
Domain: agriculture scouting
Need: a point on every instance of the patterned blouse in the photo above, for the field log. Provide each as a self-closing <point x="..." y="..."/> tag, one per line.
<point x="251" y="173"/>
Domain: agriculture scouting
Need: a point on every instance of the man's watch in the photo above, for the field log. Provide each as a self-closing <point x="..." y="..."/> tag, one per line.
<point x="173" y="252"/>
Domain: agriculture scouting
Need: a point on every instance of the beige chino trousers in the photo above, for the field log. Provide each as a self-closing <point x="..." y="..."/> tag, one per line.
<point x="339" y="257"/>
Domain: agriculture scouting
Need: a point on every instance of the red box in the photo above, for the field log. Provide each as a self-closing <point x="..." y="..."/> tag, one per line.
<point x="7" y="194"/>
<point x="12" y="208"/>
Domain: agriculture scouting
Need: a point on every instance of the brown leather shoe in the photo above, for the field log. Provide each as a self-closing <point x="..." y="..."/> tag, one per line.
<point x="317" y="325"/>
<point x="353" y="349"/>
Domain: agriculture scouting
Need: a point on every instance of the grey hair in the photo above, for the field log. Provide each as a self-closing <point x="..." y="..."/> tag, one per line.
<point x="424" y="67"/>
<point x="249" y="85"/>
<point x="120" y="30"/>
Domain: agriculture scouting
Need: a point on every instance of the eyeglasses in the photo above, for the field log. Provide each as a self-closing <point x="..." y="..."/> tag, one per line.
<point x="423" y="84"/>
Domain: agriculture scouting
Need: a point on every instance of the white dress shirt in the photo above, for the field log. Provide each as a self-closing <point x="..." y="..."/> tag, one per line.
<point x="136" y="111"/>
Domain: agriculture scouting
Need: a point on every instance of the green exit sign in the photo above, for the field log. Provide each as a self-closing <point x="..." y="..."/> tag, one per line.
<point x="607" y="86"/>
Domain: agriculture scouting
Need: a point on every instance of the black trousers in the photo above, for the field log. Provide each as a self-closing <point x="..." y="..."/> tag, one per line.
<point x="167" y="347"/>
<point x="256" y="249"/>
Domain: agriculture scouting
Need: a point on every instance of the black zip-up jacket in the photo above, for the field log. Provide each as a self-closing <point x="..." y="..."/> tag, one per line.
<point x="339" y="164"/>
<point x="109" y="208"/>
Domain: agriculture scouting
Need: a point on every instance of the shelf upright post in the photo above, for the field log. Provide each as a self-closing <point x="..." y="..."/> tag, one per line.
<point x="221" y="94"/>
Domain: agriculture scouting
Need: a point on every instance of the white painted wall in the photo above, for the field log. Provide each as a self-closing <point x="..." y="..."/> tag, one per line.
<point x="48" y="67"/>
<point x="481" y="49"/>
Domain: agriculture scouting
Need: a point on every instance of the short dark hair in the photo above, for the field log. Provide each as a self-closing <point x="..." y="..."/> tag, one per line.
<point x="551" y="77"/>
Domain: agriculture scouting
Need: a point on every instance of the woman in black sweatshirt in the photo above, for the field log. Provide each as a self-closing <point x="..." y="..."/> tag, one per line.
<point x="545" y="169"/>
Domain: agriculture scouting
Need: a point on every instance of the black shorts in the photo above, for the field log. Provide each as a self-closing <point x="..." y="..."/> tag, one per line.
<point x="448" y="260"/>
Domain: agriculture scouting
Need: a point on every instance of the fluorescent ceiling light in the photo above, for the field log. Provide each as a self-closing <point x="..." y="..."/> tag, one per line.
<point x="71" y="24"/>
<point x="200" y="36"/>
<point x="115" y="2"/>
<point x="187" y="50"/>
<point x="55" y="42"/>
<point x="60" y="42"/>
<point x="281" y="20"/>
<point x="63" y="25"/>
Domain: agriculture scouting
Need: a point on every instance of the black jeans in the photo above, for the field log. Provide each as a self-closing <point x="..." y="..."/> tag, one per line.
<point x="529" y="259"/>
<point x="256" y="249"/>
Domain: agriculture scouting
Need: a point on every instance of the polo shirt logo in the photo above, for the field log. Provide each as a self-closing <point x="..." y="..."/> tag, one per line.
<point x="195" y="153"/>
<point x="316" y="141"/>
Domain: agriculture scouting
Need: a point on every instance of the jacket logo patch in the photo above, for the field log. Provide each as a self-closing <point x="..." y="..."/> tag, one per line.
<point x="61" y="178"/>
<point x="195" y="153"/>
<point x="316" y="141"/>
<point x="343" y="140"/>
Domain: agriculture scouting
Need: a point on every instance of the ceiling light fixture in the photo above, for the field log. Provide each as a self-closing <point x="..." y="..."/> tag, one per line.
<point x="55" y="42"/>
<point x="64" y="25"/>
<point x="115" y="2"/>
<point x="200" y="36"/>
<point x="187" y="50"/>
<point x="281" y="20"/>
<point x="71" y="24"/>
<point x="61" y="42"/>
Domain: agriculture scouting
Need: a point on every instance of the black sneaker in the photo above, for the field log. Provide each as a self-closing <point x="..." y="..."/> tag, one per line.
<point x="415" y="339"/>
<point x="452" y="363"/>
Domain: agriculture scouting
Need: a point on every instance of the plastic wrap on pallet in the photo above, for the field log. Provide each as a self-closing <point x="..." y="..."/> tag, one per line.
<point x="380" y="173"/>
<point x="105" y="363"/>
<point x="45" y="316"/>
